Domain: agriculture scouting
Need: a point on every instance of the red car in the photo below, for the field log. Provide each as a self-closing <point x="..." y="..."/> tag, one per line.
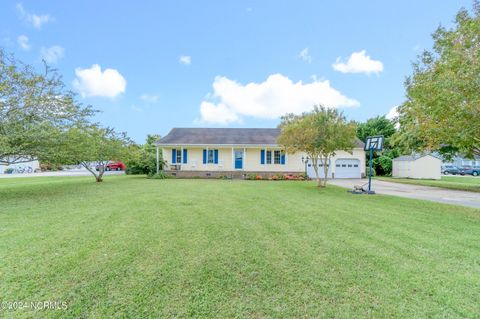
<point x="114" y="166"/>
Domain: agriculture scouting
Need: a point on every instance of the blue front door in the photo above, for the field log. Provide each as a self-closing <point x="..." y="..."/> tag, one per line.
<point x="238" y="159"/>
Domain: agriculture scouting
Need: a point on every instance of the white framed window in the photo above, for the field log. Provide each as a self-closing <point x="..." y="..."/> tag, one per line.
<point x="179" y="156"/>
<point x="269" y="157"/>
<point x="210" y="157"/>
<point x="276" y="157"/>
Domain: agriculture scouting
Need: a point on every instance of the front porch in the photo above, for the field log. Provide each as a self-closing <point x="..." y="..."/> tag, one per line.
<point x="234" y="159"/>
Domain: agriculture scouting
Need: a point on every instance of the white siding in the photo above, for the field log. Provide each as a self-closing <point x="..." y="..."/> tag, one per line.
<point x="251" y="160"/>
<point x="426" y="167"/>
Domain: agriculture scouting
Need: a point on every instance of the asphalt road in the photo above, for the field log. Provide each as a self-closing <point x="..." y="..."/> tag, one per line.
<point x="434" y="194"/>
<point x="80" y="172"/>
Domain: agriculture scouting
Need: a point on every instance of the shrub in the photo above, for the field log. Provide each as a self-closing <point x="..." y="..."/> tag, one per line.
<point x="47" y="166"/>
<point x="160" y="175"/>
<point x="142" y="159"/>
<point x="258" y="177"/>
<point x="304" y="176"/>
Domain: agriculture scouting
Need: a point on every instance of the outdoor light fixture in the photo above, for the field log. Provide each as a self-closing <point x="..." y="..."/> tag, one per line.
<point x="305" y="160"/>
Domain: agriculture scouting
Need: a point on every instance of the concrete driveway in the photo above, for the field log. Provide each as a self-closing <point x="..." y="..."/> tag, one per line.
<point x="433" y="194"/>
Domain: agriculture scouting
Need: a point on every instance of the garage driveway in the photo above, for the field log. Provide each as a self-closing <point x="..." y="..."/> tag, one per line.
<point x="434" y="194"/>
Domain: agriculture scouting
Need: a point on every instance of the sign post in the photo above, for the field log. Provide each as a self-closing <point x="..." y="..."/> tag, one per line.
<point x="370" y="171"/>
<point x="372" y="143"/>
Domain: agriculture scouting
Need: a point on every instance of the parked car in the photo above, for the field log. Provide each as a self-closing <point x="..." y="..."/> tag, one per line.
<point x="113" y="166"/>
<point x="471" y="170"/>
<point x="451" y="169"/>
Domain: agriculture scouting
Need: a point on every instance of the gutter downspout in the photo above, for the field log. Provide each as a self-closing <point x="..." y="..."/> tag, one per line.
<point x="157" y="164"/>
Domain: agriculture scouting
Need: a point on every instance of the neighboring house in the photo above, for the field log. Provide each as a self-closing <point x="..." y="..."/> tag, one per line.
<point x="417" y="166"/>
<point x="213" y="152"/>
<point x="460" y="161"/>
<point x="23" y="167"/>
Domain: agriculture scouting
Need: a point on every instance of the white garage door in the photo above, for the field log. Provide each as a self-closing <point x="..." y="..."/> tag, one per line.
<point x="347" y="168"/>
<point x="321" y="171"/>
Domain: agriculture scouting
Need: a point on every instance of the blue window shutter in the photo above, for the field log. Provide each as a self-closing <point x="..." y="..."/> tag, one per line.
<point x="262" y="156"/>
<point x="215" y="157"/>
<point x="282" y="159"/>
<point x="204" y="156"/>
<point x="184" y="156"/>
<point x="174" y="156"/>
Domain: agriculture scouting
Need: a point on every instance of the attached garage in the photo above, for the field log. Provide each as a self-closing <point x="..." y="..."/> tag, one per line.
<point x="347" y="168"/>
<point x="321" y="171"/>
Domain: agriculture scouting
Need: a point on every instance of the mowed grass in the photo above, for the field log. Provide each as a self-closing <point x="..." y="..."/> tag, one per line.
<point x="137" y="248"/>
<point x="464" y="183"/>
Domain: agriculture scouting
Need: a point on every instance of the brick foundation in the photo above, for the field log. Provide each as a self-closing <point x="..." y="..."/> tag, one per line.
<point x="228" y="174"/>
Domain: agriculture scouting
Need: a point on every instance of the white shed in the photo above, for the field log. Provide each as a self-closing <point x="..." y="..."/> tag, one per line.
<point x="417" y="166"/>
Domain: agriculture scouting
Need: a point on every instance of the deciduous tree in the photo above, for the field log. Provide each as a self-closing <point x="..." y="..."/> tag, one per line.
<point x="380" y="125"/>
<point x="442" y="110"/>
<point x="91" y="146"/>
<point x="319" y="133"/>
<point x="34" y="108"/>
<point x="142" y="159"/>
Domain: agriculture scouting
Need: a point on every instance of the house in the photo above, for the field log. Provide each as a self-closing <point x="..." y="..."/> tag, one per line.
<point x="461" y="161"/>
<point x="213" y="152"/>
<point x="418" y="166"/>
<point x="22" y="165"/>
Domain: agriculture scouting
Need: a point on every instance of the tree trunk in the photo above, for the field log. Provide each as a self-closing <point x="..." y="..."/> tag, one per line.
<point x="315" y="168"/>
<point x="324" y="161"/>
<point x="99" y="176"/>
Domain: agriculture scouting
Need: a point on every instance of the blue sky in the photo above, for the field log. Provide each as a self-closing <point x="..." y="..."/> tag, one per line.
<point x="153" y="65"/>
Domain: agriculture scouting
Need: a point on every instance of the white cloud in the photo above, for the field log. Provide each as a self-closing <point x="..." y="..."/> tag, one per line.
<point x="22" y="41"/>
<point x="358" y="62"/>
<point x="393" y="113"/>
<point x="217" y="113"/>
<point x="36" y="20"/>
<point x="53" y="54"/>
<point x="95" y="82"/>
<point x="149" y="98"/>
<point x="305" y="56"/>
<point x="270" y="99"/>
<point x="185" y="59"/>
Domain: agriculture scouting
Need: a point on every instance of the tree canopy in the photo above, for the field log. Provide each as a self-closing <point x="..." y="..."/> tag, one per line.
<point x="92" y="146"/>
<point x="34" y="108"/>
<point x="142" y="159"/>
<point x="319" y="133"/>
<point x="380" y="125"/>
<point x="442" y="109"/>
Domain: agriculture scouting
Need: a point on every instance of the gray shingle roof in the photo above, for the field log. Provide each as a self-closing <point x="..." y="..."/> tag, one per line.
<point x="413" y="157"/>
<point x="408" y="158"/>
<point x="225" y="136"/>
<point x="228" y="136"/>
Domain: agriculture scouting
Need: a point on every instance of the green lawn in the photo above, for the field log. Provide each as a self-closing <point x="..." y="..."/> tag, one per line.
<point x="137" y="248"/>
<point x="466" y="183"/>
